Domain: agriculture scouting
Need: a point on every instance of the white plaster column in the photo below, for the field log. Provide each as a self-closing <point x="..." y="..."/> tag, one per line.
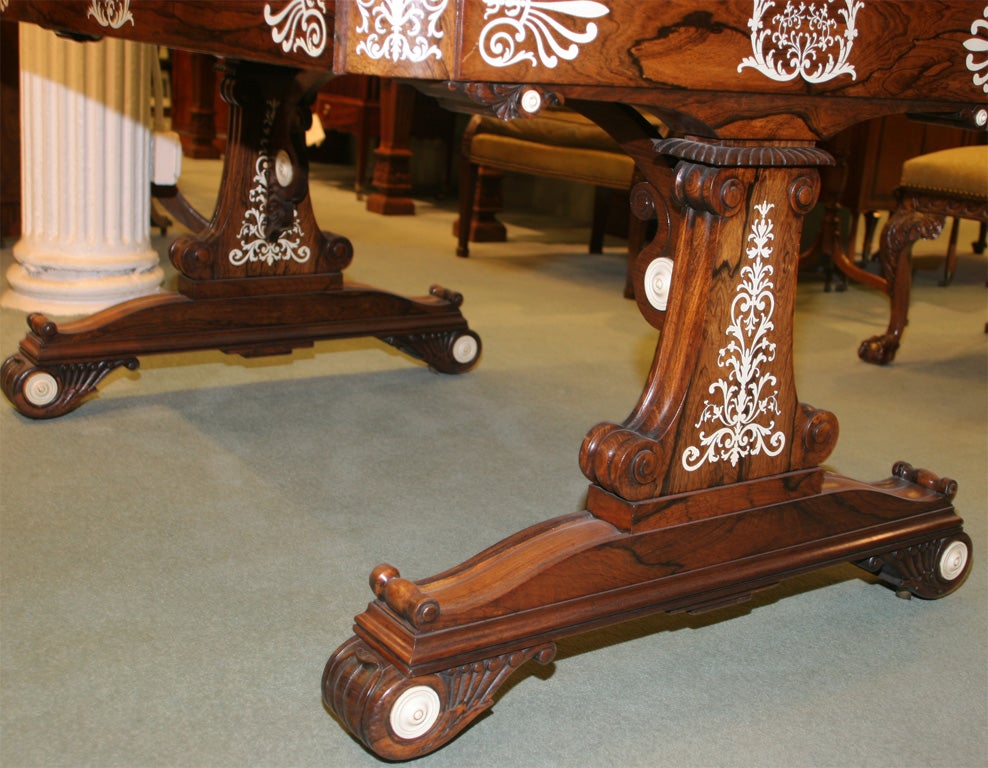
<point x="86" y="176"/>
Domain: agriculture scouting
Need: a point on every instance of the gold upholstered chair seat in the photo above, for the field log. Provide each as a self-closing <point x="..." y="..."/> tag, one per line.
<point x="557" y="144"/>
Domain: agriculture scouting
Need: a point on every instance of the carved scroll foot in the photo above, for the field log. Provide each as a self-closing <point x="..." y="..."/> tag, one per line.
<point x="401" y="717"/>
<point x="46" y="392"/>
<point x="444" y="351"/>
<point x="930" y="570"/>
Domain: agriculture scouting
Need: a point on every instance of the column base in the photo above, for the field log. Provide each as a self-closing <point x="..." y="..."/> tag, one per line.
<point x="67" y="294"/>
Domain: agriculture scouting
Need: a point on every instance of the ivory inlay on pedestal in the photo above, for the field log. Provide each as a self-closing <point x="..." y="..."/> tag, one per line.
<point x="86" y="201"/>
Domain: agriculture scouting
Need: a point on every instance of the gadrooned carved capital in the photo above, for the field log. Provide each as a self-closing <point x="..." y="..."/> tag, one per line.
<point x="743" y="155"/>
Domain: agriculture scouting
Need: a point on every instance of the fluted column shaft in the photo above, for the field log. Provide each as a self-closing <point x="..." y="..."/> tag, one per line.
<point x="86" y="170"/>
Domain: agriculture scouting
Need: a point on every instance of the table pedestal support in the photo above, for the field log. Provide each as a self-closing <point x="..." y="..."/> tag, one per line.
<point x="709" y="491"/>
<point x="261" y="279"/>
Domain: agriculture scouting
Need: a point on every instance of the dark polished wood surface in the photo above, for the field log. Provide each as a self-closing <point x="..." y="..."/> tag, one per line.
<point x="284" y="33"/>
<point x="712" y="488"/>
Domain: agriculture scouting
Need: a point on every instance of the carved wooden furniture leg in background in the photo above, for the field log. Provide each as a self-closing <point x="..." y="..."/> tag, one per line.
<point x="917" y="215"/>
<point x="261" y="279"/>
<point x="392" y="180"/>
<point x="710" y="490"/>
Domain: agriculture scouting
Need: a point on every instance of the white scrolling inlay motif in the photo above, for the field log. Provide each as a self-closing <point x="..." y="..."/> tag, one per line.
<point x="254" y="246"/>
<point x="400" y="30"/>
<point x="300" y="25"/>
<point x="802" y="41"/>
<point x="111" y="13"/>
<point x="748" y="392"/>
<point x="503" y="37"/>
<point x="978" y="44"/>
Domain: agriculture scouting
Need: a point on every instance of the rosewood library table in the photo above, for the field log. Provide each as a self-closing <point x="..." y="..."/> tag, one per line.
<point x="712" y="488"/>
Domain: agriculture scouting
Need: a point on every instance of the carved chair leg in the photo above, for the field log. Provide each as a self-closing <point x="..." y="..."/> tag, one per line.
<point x="468" y="189"/>
<point x="905" y="227"/>
<point x="978" y="246"/>
<point x="950" y="264"/>
<point x="601" y="207"/>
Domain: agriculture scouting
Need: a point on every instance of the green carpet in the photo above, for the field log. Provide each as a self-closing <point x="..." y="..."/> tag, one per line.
<point x="180" y="556"/>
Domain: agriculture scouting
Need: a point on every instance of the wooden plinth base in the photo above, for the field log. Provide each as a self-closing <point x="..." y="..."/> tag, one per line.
<point x="429" y="655"/>
<point x="58" y="366"/>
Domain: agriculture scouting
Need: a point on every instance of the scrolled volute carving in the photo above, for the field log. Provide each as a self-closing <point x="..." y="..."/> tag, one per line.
<point x="820" y="430"/>
<point x="52" y="391"/>
<point x="804" y="192"/>
<point x="642" y="200"/>
<point x="192" y="257"/>
<point x="711" y="189"/>
<point x="400" y="717"/>
<point x="623" y="461"/>
<point x="929" y="569"/>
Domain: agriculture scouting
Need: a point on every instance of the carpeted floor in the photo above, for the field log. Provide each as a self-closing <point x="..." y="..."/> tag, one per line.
<point x="179" y="557"/>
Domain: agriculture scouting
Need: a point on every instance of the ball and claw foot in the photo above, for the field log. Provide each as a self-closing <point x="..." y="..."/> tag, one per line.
<point x="46" y="393"/>
<point x="879" y="350"/>
<point x="401" y="718"/>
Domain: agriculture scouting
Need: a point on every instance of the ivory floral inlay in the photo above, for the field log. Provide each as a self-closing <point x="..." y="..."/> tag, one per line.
<point x="400" y="30"/>
<point x="111" y="13"/>
<point x="300" y="25"/>
<point x="802" y="40"/>
<point x="546" y="25"/>
<point x="978" y="45"/>
<point x="747" y="396"/>
<point x="254" y="246"/>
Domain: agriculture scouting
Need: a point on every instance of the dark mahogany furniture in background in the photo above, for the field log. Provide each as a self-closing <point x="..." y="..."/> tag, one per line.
<point x="352" y="105"/>
<point x="198" y="115"/>
<point x="262" y="278"/>
<point x="712" y="488"/>
<point x="10" y="132"/>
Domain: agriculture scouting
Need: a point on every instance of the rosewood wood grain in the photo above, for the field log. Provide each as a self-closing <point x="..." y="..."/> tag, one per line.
<point x="711" y="488"/>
